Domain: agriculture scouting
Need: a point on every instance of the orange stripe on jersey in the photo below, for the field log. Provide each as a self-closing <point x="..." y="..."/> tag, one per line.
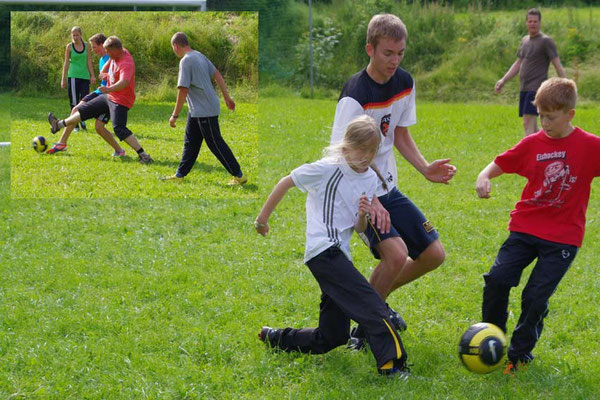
<point x="384" y="104"/>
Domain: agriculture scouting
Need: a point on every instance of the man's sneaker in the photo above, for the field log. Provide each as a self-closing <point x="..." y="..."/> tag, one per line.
<point x="53" y="123"/>
<point x="396" y="319"/>
<point x="56" y="148"/>
<point x="270" y="336"/>
<point x="238" y="181"/>
<point x="172" y="178"/>
<point x="518" y="366"/>
<point x="395" y="369"/>
<point x="356" y="342"/>
<point x="76" y="129"/>
<point x="145" y="159"/>
<point x="119" y="153"/>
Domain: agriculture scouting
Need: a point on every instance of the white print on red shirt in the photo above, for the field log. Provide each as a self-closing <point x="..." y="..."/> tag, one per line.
<point x="557" y="180"/>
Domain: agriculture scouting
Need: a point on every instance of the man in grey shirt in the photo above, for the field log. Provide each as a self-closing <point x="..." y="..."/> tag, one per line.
<point x="535" y="54"/>
<point x="194" y="84"/>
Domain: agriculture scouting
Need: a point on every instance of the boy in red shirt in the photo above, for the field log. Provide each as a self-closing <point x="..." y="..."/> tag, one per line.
<point x="548" y="223"/>
<point x="118" y="97"/>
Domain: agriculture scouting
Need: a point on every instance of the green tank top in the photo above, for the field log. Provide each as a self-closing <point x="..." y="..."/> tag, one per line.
<point x="78" y="63"/>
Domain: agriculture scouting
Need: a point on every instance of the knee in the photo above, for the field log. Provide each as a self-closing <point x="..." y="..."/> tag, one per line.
<point x="99" y="126"/>
<point x="394" y="258"/>
<point x="122" y="132"/>
<point x="433" y="256"/>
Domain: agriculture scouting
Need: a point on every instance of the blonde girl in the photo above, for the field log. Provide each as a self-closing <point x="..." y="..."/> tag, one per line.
<point x="340" y="187"/>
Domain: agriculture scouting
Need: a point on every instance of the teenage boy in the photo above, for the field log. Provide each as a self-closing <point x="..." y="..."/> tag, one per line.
<point x="119" y="97"/>
<point x="535" y="54"/>
<point x="194" y="84"/>
<point x="548" y="223"/>
<point x="96" y="43"/>
<point x="402" y="238"/>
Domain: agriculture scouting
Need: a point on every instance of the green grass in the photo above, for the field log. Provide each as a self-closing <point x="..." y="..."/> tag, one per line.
<point x="140" y="298"/>
<point x="87" y="169"/>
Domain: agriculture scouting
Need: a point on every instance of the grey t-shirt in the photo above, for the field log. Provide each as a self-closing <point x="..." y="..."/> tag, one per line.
<point x="536" y="53"/>
<point x="195" y="72"/>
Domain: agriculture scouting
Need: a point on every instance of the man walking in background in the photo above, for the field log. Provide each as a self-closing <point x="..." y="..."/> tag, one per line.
<point x="536" y="52"/>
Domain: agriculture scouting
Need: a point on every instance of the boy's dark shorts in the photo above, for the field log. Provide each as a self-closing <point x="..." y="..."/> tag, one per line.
<point x="104" y="118"/>
<point x="407" y="222"/>
<point x="526" y="103"/>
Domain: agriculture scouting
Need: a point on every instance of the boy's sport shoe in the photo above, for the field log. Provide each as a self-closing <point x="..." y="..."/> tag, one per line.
<point x="145" y="159"/>
<point x="238" y="181"/>
<point x="396" y="319"/>
<point x="172" y="178"/>
<point x="395" y="369"/>
<point x="119" y="153"/>
<point x="270" y="336"/>
<point x="356" y="342"/>
<point x="520" y="365"/>
<point x="56" y="148"/>
<point x="53" y="123"/>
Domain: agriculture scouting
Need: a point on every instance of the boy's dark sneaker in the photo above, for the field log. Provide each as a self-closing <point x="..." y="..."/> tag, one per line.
<point x="270" y="336"/>
<point x="145" y="158"/>
<point x="396" y="319"/>
<point x="357" y="341"/>
<point x="53" y="123"/>
<point x="395" y="369"/>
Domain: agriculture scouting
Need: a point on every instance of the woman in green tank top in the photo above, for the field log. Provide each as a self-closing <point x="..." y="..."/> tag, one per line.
<point x="78" y="71"/>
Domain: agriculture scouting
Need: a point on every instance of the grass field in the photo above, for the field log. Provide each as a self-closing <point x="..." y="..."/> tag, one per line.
<point x="140" y="298"/>
<point x="87" y="169"/>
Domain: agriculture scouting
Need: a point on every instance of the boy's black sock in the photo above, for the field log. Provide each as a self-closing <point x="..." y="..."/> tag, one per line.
<point x="140" y="151"/>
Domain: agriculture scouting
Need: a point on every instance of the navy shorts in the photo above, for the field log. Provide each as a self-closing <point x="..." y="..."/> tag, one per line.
<point x="526" y="103"/>
<point x="104" y="118"/>
<point x="407" y="222"/>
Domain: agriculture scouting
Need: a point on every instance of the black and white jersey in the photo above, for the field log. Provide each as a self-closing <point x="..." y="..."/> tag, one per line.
<point x="391" y="104"/>
<point x="334" y="190"/>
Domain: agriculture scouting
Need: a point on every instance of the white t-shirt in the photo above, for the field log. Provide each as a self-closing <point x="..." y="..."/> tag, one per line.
<point x="334" y="190"/>
<point x="390" y="104"/>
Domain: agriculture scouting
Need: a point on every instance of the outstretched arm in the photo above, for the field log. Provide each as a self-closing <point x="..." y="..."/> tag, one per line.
<point x="221" y="83"/>
<point x="438" y="171"/>
<point x="483" y="184"/>
<point x="261" y="224"/>
<point x="512" y="71"/>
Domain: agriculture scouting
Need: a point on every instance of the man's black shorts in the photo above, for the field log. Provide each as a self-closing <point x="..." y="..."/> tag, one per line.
<point x="103" y="117"/>
<point x="526" y="103"/>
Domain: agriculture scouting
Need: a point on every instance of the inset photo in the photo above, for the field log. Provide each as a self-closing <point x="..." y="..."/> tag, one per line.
<point x="134" y="105"/>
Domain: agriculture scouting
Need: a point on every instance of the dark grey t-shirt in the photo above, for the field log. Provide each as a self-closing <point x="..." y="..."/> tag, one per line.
<point x="536" y="53"/>
<point x="195" y="73"/>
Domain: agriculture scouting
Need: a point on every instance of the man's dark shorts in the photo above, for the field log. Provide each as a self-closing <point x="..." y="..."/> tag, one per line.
<point x="407" y="222"/>
<point x="104" y="118"/>
<point x="101" y="105"/>
<point x="526" y="103"/>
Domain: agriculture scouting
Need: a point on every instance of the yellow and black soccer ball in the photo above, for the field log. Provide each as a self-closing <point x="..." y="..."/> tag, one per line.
<point x="482" y="348"/>
<point x="39" y="144"/>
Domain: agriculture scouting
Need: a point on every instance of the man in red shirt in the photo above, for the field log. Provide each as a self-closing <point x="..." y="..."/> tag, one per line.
<point x="118" y="97"/>
<point x="548" y="223"/>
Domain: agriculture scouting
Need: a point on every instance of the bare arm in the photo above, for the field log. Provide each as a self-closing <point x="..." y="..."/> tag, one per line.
<point x="221" y="83"/>
<point x="261" y="224"/>
<point x="364" y="209"/>
<point x="483" y="184"/>
<point x="181" y="95"/>
<point x="512" y="71"/>
<point x="63" y="80"/>
<point x="438" y="171"/>
<point x="560" y="71"/>
<point x="91" y="68"/>
<point x="121" y="84"/>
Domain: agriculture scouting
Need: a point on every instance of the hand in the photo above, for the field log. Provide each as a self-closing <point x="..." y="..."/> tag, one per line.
<point x="92" y="80"/>
<point x="103" y="76"/>
<point x="440" y="171"/>
<point x="261" y="228"/>
<point x="498" y="87"/>
<point x="364" y="206"/>
<point x="380" y="217"/>
<point x="483" y="186"/>
<point x="172" y="121"/>
<point x="230" y="103"/>
<point x="104" y="89"/>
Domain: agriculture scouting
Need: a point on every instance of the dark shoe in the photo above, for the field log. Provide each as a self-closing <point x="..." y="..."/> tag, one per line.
<point x="145" y="159"/>
<point x="396" y="319"/>
<point x="399" y="370"/>
<point x="356" y="342"/>
<point x="270" y="336"/>
<point x="53" y="123"/>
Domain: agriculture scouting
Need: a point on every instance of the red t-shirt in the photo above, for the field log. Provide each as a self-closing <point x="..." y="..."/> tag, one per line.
<point x="123" y="68"/>
<point x="559" y="173"/>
